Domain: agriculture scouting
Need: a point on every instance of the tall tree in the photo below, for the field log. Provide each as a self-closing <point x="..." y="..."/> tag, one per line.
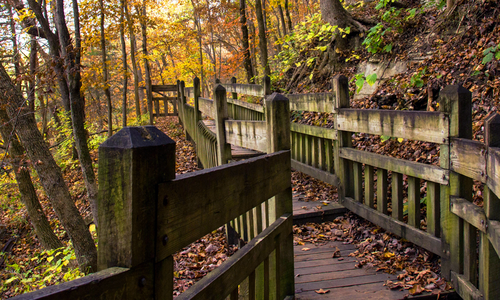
<point x="141" y="11"/>
<point x="107" y="92"/>
<point x="247" y="61"/>
<point x="262" y="37"/>
<point x="124" y="62"/>
<point x="48" y="171"/>
<point x="133" y="52"/>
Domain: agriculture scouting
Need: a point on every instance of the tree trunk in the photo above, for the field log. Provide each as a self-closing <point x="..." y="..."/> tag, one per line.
<point x="107" y="92"/>
<point x="253" y="55"/>
<point x="262" y="38"/>
<point x="287" y="12"/>
<point x="15" y="51"/>
<point x="133" y="52"/>
<point x="124" y="62"/>
<point x="29" y="198"/>
<point x="49" y="173"/>
<point x="149" y="95"/>
<point x="247" y="61"/>
<point x="282" y="18"/>
<point x="33" y="64"/>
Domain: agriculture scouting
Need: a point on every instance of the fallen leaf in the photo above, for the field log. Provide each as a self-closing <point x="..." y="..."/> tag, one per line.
<point x="306" y="249"/>
<point x="322" y="291"/>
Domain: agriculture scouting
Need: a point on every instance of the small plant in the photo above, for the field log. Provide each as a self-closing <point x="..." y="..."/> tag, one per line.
<point x="490" y="53"/>
<point x="416" y="79"/>
<point x="361" y="79"/>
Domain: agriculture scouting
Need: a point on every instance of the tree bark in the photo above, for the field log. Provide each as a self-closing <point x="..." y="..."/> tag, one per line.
<point x="282" y="19"/>
<point x="107" y="92"/>
<point x="247" y="61"/>
<point x="124" y="62"/>
<point x="49" y="173"/>
<point x="133" y="52"/>
<point x="29" y="198"/>
<point x="287" y="12"/>
<point x="149" y="95"/>
<point x="15" y="50"/>
<point x="262" y="38"/>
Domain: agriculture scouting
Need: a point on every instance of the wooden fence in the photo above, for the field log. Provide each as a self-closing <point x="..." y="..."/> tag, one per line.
<point x="453" y="222"/>
<point x="147" y="213"/>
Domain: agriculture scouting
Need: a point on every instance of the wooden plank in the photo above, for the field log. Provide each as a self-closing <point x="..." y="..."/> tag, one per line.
<point x="206" y="106"/>
<point x="322" y="132"/>
<point x="464" y="288"/>
<point x="414" y="125"/>
<point x="364" y="291"/>
<point x="416" y="236"/>
<point x="414" y="202"/>
<point x="246" y="89"/>
<point x="494" y="234"/>
<point x="433" y="209"/>
<point x="382" y="190"/>
<point x="493" y="164"/>
<point x="470" y="212"/>
<point x="397" y="196"/>
<point x="165" y="88"/>
<point x="369" y="187"/>
<point x="115" y="283"/>
<point x="248" y="105"/>
<point x="325" y="256"/>
<point x="316" y="173"/>
<point x="468" y="157"/>
<point x="344" y="282"/>
<point x="414" y="169"/>
<point x="321" y="102"/>
<point x="247" y="134"/>
<point x="358" y="181"/>
<point x="196" y="198"/>
<point x="352" y="273"/>
<point x="220" y="282"/>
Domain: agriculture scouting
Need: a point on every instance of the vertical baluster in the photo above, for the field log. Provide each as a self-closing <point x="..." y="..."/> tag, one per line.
<point x="369" y="188"/>
<point x="414" y="201"/>
<point x="358" y="181"/>
<point x="433" y="211"/>
<point x="397" y="196"/>
<point x="382" y="190"/>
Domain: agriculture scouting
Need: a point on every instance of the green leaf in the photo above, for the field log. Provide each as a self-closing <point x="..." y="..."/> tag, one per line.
<point x="359" y="83"/>
<point x="384" y="138"/>
<point x="487" y="58"/>
<point x="497" y="55"/>
<point x="388" y="48"/>
<point x="50" y="258"/>
<point x="371" y="79"/>
<point x="10" y="280"/>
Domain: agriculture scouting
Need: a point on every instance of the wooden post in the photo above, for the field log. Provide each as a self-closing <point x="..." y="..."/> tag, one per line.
<point x="266" y="83"/>
<point x="278" y="130"/>
<point x="342" y="167"/>
<point x="223" y="148"/>
<point x="131" y="164"/>
<point x="489" y="262"/>
<point x="455" y="102"/>
<point x="196" y="96"/>
<point x="179" y="103"/>
<point x="182" y="101"/>
<point x="233" y="81"/>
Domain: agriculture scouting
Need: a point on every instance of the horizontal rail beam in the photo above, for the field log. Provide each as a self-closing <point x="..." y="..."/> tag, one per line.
<point x="164" y="88"/>
<point x="470" y="212"/>
<point x="246" y="89"/>
<point x="198" y="198"/>
<point x="247" y="134"/>
<point x="321" y="102"/>
<point x="322" y="132"/>
<point x="206" y="106"/>
<point x="414" y="169"/>
<point x="468" y="157"/>
<point x="413" y="125"/>
<point x="316" y="173"/>
<point x="414" y="235"/>
<point x="251" y="106"/>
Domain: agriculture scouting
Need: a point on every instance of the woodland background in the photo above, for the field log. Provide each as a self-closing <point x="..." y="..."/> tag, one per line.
<point x="74" y="72"/>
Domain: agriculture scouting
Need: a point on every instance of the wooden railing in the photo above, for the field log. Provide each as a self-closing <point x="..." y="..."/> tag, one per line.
<point x="453" y="222"/>
<point x="147" y="213"/>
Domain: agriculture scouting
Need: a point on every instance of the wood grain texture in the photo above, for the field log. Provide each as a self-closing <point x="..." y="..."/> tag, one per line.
<point x="321" y="102"/>
<point x="322" y="132"/>
<point x="414" y="125"/>
<point x="316" y="173"/>
<point x="470" y="212"/>
<point x="414" y="169"/>
<point x="239" y="187"/>
<point x="206" y="106"/>
<point x="245" y="89"/>
<point x="247" y="134"/>
<point x="248" y="105"/>
<point x="468" y="158"/>
<point x="464" y="288"/>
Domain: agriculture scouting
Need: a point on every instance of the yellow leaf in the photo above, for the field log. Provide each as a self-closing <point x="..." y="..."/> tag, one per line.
<point x="388" y="254"/>
<point x="92" y="227"/>
<point x="400" y="140"/>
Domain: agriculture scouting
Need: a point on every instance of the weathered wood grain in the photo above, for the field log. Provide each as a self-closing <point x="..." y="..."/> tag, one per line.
<point x="465" y="289"/>
<point x="226" y="278"/>
<point x="413" y="125"/>
<point x="493" y="170"/>
<point x="247" y="134"/>
<point x="322" y="132"/>
<point x="470" y="212"/>
<point x="239" y="187"/>
<point x="416" y="236"/>
<point x="251" y="106"/>
<point x="321" y="102"/>
<point x="164" y="88"/>
<point x="111" y="283"/>
<point x="245" y="89"/>
<point x="468" y="157"/>
<point x="410" y="168"/>
<point x="316" y="173"/>
<point x="206" y="106"/>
